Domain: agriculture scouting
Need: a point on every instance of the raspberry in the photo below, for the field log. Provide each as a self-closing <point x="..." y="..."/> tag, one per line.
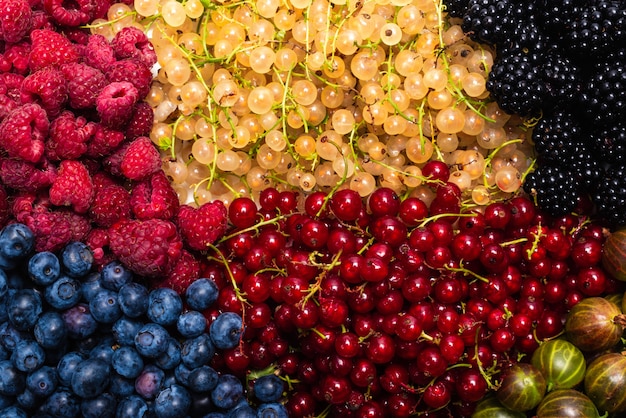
<point x="68" y="137"/>
<point x="42" y="20"/>
<point x="202" y="226"/>
<point x="113" y="163"/>
<point x="47" y="87"/>
<point x="98" y="242"/>
<point x="50" y="48"/>
<point x="110" y="204"/>
<point x="101" y="180"/>
<point x="115" y="103"/>
<point x="21" y="175"/>
<point x="17" y="55"/>
<point x="149" y="248"/>
<point x="5" y="207"/>
<point x="140" y="159"/>
<point x="104" y="141"/>
<point x="15" y="20"/>
<point x="72" y="186"/>
<point x="141" y="121"/>
<point x="84" y="83"/>
<point x="154" y="197"/>
<point x="7" y="104"/>
<point x="131" y="42"/>
<point x="23" y="131"/>
<point x="99" y="53"/>
<point x="131" y="70"/>
<point x="70" y="16"/>
<point x="184" y="272"/>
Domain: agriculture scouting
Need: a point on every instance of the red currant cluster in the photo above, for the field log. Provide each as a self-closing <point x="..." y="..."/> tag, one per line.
<point x="393" y="307"/>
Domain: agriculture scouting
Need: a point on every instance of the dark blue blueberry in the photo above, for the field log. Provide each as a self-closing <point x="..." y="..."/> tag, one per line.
<point x="44" y="268"/>
<point x="16" y="241"/>
<point x="67" y="365"/>
<point x="104" y="306"/>
<point x="243" y="410"/>
<point x="182" y="373"/>
<point x="103" y="351"/>
<point x="132" y="407"/>
<point x="125" y="329"/>
<point x="77" y="259"/>
<point x="43" y="381"/>
<point x="200" y="403"/>
<point x="201" y="294"/>
<point x="62" y="404"/>
<point x="127" y="362"/>
<point x="197" y="351"/>
<point x="149" y="382"/>
<point x="152" y="340"/>
<point x="10" y="336"/>
<point x="164" y="306"/>
<point x="272" y="410"/>
<point x="172" y="402"/>
<point x="170" y="379"/>
<point x="28" y="356"/>
<point x="269" y="388"/>
<point x="214" y="415"/>
<point x="24" y="308"/>
<point x="4" y="284"/>
<point x="13" y="412"/>
<point x="102" y="406"/>
<point x="86" y="345"/>
<point x="27" y="401"/>
<point x="120" y="386"/>
<point x="191" y="324"/>
<point x="90" y="286"/>
<point x="169" y="359"/>
<point x="202" y="379"/>
<point x="12" y="380"/>
<point x="16" y="280"/>
<point x="226" y="330"/>
<point x="228" y="391"/>
<point x="63" y="293"/>
<point x="79" y="322"/>
<point x="114" y="275"/>
<point x="50" y="330"/>
<point x="90" y="378"/>
<point x="6" y="401"/>
<point x="4" y="313"/>
<point x="133" y="299"/>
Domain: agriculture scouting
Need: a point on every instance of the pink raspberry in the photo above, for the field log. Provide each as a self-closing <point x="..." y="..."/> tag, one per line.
<point x="7" y="104"/>
<point x="50" y="48"/>
<point x="17" y="55"/>
<point x="98" y="242"/>
<point x="113" y="162"/>
<point x="101" y="180"/>
<point x="104" y="141"/>
<point x="15" y="20"/>
<point x="24" y="176"/>
<point x="68" y="136"/>
<point x="131" y="42"/>
<point x="102" y="7"/>
<point x="99" y="53"/>
<point x="23" y="131"/>
<point x="202" y="226"/>
<point x="42" y="20"/>
<point x="140" y="159"/>
<point x="13" y="83"/>
<point x="141" y="121"/>
<point x="70" y="16"/>
<point x="72" y="186"/>
<point x="131" y="70"/>
<point x="5" y="207"/>
<point x="84" y="83"/>
<point x="184" y="272"/>
<point x="115" y="103"/>
<point x="47" y="87"/>
<point x="154" y="197"/>
<point x="149" y="248"/>
<point x="110" y="205"/>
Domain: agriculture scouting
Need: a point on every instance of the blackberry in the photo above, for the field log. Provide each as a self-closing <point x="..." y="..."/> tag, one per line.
<point x="484" y="20"/>
<point x="603" y="97"/>
<point x="554" y="188"/>
<point x="456" y="8"/>
<point x="610" y="143"/>
<point x="586" y="169"/>
<point x="610" y="196"/>
<point x="562" y="78"/>
<point x="557" y="15"/>
<point x="557" y="136"/>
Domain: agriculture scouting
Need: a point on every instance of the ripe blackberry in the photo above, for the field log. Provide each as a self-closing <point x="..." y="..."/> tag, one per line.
<point x="557" y="136"/>
<point x="609" y="196"/>
<point x="554" y="188"/>
<point x="456" y="8"/>
<point x="603" y="97"/>
<point x="610" y="143"/>
<point x="562" y="77"/>
<point x="557" y="15"/>
<point x="483" y="20"/>
<point x="586" y="169"/>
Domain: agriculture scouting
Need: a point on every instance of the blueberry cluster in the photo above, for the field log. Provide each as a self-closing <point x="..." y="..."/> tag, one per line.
<point x="74" y="342"/>
<point x="563" y="61"/>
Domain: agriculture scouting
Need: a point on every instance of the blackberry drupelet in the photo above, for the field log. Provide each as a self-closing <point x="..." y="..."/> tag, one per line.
<point x="610" y="196"/>
<point x="603" y="97"/>
<point x="586" y="169"/>
<point x="456" y="8"/>
<point x="562" y="77"/>
<point x="610" y="143"/>
<point x="557" y="15"/>
<point x="554" y="188"/>
<point x="483" y="20"/>
<point x="557" y="136"/>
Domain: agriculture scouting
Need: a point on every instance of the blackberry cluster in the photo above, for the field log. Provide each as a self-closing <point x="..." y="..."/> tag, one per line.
<point x="610" y="143"/>
<point x="610" y="195"/>
<point x="553" y="188"/>
<point x="603" y="97"/>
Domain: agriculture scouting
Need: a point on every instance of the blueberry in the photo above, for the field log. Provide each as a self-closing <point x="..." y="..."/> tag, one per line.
<point x="150" y="381"/>
<point x="243" y="410"/>
<point x="79" y="322"/>
<point x="121" y="386"/>
<point x="104" y="306"/>
<point x="226" y="330"/>
<point x="182" y="372"/>
<point x="62" y="404"/>
<point x="201" y="294"/>
<point x="132" y="407"/>
<point x="164" y="306"/>
<point x="171" y="357"/>
<point x="125" y="329"/>
<point x="43" y="381"/>
<point x="191" y="324"/>
<point x="172" y="402"/>
<point x="13" y="412"/>
<point x="44" y="268"/>
<point x="114" y="275"/>
<point x="77" y="259"/>
<point x="102" y="406"/>
<point x="103" y="351"/>
<point x="127" y="362"/>
<point x="202" y="379"/>
<point x="24" y="308"/>
<point x="50" y="330"/>
<point x="90" y="286"/>
<point x="152" y="340"/>
<point x="27" y="401"/>
<point x="4" y="284"/>
<point x="197" y="351"/>
<point x="200" y="403"/>
<point x="228" y="391"/>
<point x="10" y="336"/>
<point x="91" y="377"/>
<point x="16" y="241"/>
<point x="12" y="380"/>
<point x="215" y="415"/>
<point x="269" y="388"/>
<point x="66" y="366"/>
<point x="28" y="356"/>
<point x="133" y="299"/>
<point x="64" y="293"/>
<point x="272" y="410"/>
<point x="4" y="313"/>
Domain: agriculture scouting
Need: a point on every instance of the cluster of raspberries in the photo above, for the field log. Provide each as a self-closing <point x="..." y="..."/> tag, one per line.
<point x="76" y="162"/>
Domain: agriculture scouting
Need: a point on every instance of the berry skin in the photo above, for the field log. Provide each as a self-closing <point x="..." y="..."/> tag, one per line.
<point x="164" y="306"/>
<point x="140" y="159"/>
<point x="141" y="121"/>
<point x="104" y="141"/>
<point x="90" y="378"/>
<point x="17" y="55"/>
<point x="130" y="42"/>
<point x="133" y="71"/>
<point x="72" y="186"/>
<point x="201" y="294"/>
<point x="70" y="17"/>
<point x="202" y="226"/>
<point x="173" y="401"/>
<point x="44" y="268"/>
<point x="268" y="388"/>
<point x="110" y="204"/>
<point x="76" y="259"/>
<point x="151" y="340"/>
<point x="182" y="274"/>
<point x="149" y="248"/>
<point x="24" y="176"/>
<point x="84" y="83"/>
<point x="68" y="137"/>
<point x="226" y="330"/>
<point x="15" y="20"/>
<point x="98" y="53"/>
<point x="154" y="197"/>
<point x="16" y="242"/>
<point x="115" y="103"/>
<point x="50" y="48"/>
<point x="23" y="131"/>
<point x="47" y="87"/>
<point x="133" y="299"/>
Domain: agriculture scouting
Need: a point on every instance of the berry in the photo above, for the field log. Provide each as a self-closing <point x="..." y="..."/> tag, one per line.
<point x="50" y="49"/>
<point x="554" y="187"/>
<point x="228" y="392"/>
<point x="68" y="137"/>
<point x="63" y="293"/>
<point x="104" y="141"/>
<point x="164" y="306"/>
<point x="15" y="20"/>
<point x="154" y="197"/>
<point x="42" y="382"/>
<point x="201" y="227"/>
<point x="105" y="307"/>
<point x="72" y="186"/>
<point x="90" y="378"/>
<point x="130" y="70"/>
<point x="131" y="42"/>
<point x="44" y="268"/>
<point x="196" y="352"/>
<point x="84" y="84"/>
<point x="182" y="274"/>
<point x="46" y="87"/>
<point x="50" y="330"/>
<point x="140" y="159"/>
<point x="201" y="294"/>
<point x="98" y="53"/>
<point x="172" y="402"/>
<point x="191" y="324"/>
<point x="141" y="121"/>
<point x="23" y="132"/>
<point x="151" y="340"/>
<point x="115" y="103"/>
<point x="133" y="299"/>
<point x="226" y="330"/>
<point x="268" y="388"/>
<point x="66" y="16"/>
<point x="28" y="356"/>
<point x="110" y="205"/>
